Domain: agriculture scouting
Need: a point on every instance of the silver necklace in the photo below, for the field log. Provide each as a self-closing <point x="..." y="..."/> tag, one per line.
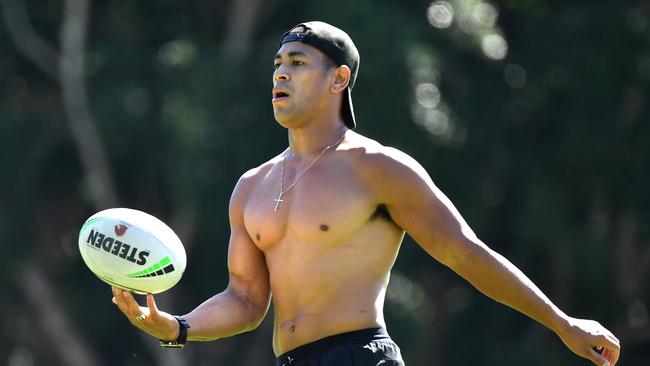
<point x="282" y="190"/>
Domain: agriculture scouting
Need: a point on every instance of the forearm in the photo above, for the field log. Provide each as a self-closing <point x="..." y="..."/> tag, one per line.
<point x="224" y="315"/>
<point x="499" y="279"/>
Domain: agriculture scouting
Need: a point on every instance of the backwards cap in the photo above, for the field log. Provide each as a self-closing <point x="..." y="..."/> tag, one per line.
<point x="336" y="44"/>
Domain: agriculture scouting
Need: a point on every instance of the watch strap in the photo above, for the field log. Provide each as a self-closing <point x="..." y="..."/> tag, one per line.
<point x="183" y="325"/>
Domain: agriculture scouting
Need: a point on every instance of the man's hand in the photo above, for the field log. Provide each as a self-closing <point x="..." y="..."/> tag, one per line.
<point x="589" y="339"/>
<point x="149" y="319"/>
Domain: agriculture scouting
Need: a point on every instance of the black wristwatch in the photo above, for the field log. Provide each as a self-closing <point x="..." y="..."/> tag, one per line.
<point x="182" y="335"/>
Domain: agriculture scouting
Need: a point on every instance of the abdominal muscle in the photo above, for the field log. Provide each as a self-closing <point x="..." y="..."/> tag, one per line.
<point x="318" y="292"/>
<point x="303" y="327"/>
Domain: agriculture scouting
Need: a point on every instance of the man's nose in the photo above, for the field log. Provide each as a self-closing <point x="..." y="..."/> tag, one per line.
<point x="280" y="75"/>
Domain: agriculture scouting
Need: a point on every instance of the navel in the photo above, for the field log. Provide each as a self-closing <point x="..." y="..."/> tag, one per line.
<point x="324" y="227"/>
<point x="257" y="236"/>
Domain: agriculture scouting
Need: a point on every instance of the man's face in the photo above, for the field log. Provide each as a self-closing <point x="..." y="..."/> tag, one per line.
<point x="301" y="83"/>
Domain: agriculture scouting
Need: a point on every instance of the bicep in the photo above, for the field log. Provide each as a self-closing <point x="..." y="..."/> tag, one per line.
<point x="425" y="212"/>
<point x="248" y="273"/>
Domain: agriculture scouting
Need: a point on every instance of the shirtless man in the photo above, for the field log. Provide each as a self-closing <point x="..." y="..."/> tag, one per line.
<point x="319" y="226"/>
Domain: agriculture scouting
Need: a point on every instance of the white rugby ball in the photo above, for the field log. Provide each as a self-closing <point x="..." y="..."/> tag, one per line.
<point x="132" y="250"/>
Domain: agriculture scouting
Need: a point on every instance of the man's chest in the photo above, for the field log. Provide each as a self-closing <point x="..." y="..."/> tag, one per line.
<point x="324" y="205"/>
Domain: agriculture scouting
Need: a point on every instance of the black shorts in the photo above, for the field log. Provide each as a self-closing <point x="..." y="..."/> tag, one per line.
<point x="366" y="347"/>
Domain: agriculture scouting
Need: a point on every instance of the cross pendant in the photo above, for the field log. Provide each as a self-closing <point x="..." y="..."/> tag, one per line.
<point x="277" y="201"/>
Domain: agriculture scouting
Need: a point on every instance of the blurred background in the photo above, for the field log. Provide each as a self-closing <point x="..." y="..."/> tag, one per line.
<point x="531" y="115"/>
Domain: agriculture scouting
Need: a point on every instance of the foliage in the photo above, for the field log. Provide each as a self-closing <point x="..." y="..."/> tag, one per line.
<point x="543" y="146"/>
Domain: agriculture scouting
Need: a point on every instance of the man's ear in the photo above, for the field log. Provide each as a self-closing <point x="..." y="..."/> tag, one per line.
<point x="341" y="79"/>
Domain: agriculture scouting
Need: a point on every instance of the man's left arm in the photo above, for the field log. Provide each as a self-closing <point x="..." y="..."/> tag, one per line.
<point x="429" y="217"/>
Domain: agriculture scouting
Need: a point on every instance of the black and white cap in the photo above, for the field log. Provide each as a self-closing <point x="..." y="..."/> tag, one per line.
<point x="336" y="44"/>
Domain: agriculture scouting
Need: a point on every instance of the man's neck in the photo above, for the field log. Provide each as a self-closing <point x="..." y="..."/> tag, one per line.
<point x="313" y="138"/>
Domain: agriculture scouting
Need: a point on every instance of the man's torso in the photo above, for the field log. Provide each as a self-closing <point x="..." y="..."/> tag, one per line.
<point x="329" y="247"/>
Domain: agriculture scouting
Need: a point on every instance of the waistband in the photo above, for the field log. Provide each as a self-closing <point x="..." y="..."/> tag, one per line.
<point x="324" y="344"/>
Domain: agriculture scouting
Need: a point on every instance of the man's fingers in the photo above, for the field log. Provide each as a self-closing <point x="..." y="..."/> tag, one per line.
<point x="118" y="299"/>
<point x="596" y="358"/>
<point x="611" y="347"/>
<point x="612" y="354"/>
<point x="613" y="340"/>
<point x="151" y="304"/>
<point x="116" y="293"/>
<point x="127" y="304"/>
<point x="134" y="309"/>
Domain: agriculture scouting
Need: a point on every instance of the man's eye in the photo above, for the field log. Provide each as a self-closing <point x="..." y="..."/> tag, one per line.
<point x="275" y="66"/>
<point x="298" y="63"/>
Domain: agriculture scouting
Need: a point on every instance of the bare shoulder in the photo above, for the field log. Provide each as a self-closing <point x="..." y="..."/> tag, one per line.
<point x="249" y="180"/>
<point x="383" y="167"/>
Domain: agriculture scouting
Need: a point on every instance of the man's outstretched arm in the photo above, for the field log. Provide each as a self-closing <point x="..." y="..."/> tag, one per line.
<point x="239" y="308"/>
<point x="428" y="216"/>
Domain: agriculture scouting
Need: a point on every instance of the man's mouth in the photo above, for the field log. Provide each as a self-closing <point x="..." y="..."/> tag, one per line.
<point x="279" y="95"/>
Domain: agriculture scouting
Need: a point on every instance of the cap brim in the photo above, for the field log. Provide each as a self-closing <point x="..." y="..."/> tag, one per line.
<point x="347" y="110"/>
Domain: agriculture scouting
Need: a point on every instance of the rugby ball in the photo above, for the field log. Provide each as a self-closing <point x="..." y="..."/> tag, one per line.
<point x="132" y="250"/>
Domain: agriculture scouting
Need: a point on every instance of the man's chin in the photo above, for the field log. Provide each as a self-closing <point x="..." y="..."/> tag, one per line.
<point x="285" y="120"/>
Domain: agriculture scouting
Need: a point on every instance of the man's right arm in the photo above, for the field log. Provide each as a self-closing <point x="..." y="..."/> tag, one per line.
<point x="244" y="303"/>
<point x="239" y="308"/>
